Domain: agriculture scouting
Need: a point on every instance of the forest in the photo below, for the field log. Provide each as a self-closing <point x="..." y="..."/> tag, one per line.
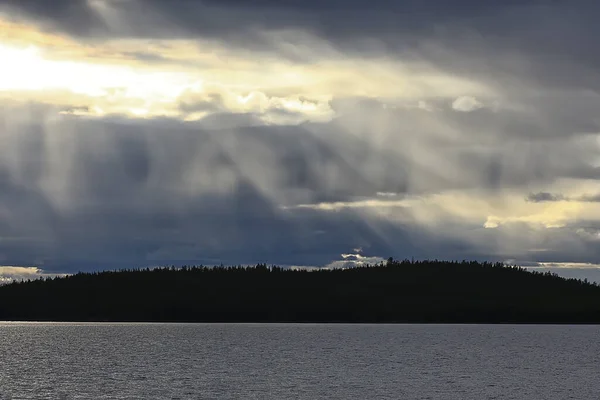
<point x="398" y="291"/>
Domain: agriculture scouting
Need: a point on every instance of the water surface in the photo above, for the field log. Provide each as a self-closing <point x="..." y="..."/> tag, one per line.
<point x="295" y="361"/>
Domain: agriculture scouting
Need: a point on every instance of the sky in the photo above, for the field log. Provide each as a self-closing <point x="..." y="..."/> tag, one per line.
<point x="299" y="133"/>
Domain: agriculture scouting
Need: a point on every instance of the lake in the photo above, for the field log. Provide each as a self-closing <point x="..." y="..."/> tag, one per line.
<point x="297" y="361"/>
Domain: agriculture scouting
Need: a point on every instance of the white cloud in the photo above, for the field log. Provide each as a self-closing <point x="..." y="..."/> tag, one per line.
<point x="354" y="260"/>
<point x="15" y="273"/>
<point x="568" y="265"/>
<point x="205" y="99"/>
<point x="466" y="104"/>
<point x="388" y="194"/>
<point x="368" y="203"/>
<point x="349" y="260"/>
<point x="426" y="106"/>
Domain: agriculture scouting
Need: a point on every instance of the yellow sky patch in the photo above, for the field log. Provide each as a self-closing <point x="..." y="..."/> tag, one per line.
<point x="19" y="34"/>
<point x="489" y="210"/>
<point x="552" y="215"/>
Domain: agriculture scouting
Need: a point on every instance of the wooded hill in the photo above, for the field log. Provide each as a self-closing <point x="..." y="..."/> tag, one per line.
<point x="397" y="291"/>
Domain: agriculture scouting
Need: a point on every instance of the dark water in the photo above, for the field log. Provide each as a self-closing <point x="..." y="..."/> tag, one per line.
<point x="214" y="361"/>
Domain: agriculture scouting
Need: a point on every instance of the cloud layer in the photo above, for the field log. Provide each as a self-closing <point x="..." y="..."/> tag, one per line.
<point x="295" y="132"/>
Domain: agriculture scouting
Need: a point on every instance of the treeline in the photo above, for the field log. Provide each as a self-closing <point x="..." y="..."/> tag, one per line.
<point x="396" y="291"/>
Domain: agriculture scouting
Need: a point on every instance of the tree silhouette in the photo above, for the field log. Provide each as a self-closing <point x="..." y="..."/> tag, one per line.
<point x="395" y="291"/>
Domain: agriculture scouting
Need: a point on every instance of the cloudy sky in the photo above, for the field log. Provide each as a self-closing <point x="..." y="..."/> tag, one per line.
<point x="303" y="133"/>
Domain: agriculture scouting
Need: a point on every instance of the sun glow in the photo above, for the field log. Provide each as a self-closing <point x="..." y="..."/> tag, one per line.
<point x="126" y="88"/>
<point x="17" y="68"/>
<point x="191" y="79"/>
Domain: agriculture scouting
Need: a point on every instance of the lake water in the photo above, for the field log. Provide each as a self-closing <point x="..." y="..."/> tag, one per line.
<point x="293" y="361"/>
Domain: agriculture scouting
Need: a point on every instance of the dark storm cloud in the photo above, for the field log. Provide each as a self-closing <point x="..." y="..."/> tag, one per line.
<point x="333" y="20"/>
<point x="593" y="198"/>
<point x="87" y="194"/>
<point x="79" y="193"/>
<point x="484" y="148"/>
<point x="209" y="17"/>
<point x="549" y="197"/>
<point x="544" y="196"/>
<point x="513" y="43"/>
<point x="72" y="16"/>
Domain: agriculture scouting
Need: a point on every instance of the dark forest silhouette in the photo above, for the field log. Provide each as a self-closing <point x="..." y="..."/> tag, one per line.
<point x="397" y="291"/>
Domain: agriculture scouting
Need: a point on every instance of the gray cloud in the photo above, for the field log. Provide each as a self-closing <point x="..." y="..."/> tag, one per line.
<point x="95" y="194"/>
<point x="593" y="198"/>
<point x="466" y="36"/>
<point x="71" y="16"/>
<point x="550" y="197"/>
<point x="79" y="193"/>
<point x="81" y="17"/>
<point x="507" y="23"/>
<point x="544" y="196"/>
<point x="107" y="193"/>
<point x="490" y="41"/>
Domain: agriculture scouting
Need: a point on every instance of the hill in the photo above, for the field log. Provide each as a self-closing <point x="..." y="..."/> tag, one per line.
<point x="398" y="291"/>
